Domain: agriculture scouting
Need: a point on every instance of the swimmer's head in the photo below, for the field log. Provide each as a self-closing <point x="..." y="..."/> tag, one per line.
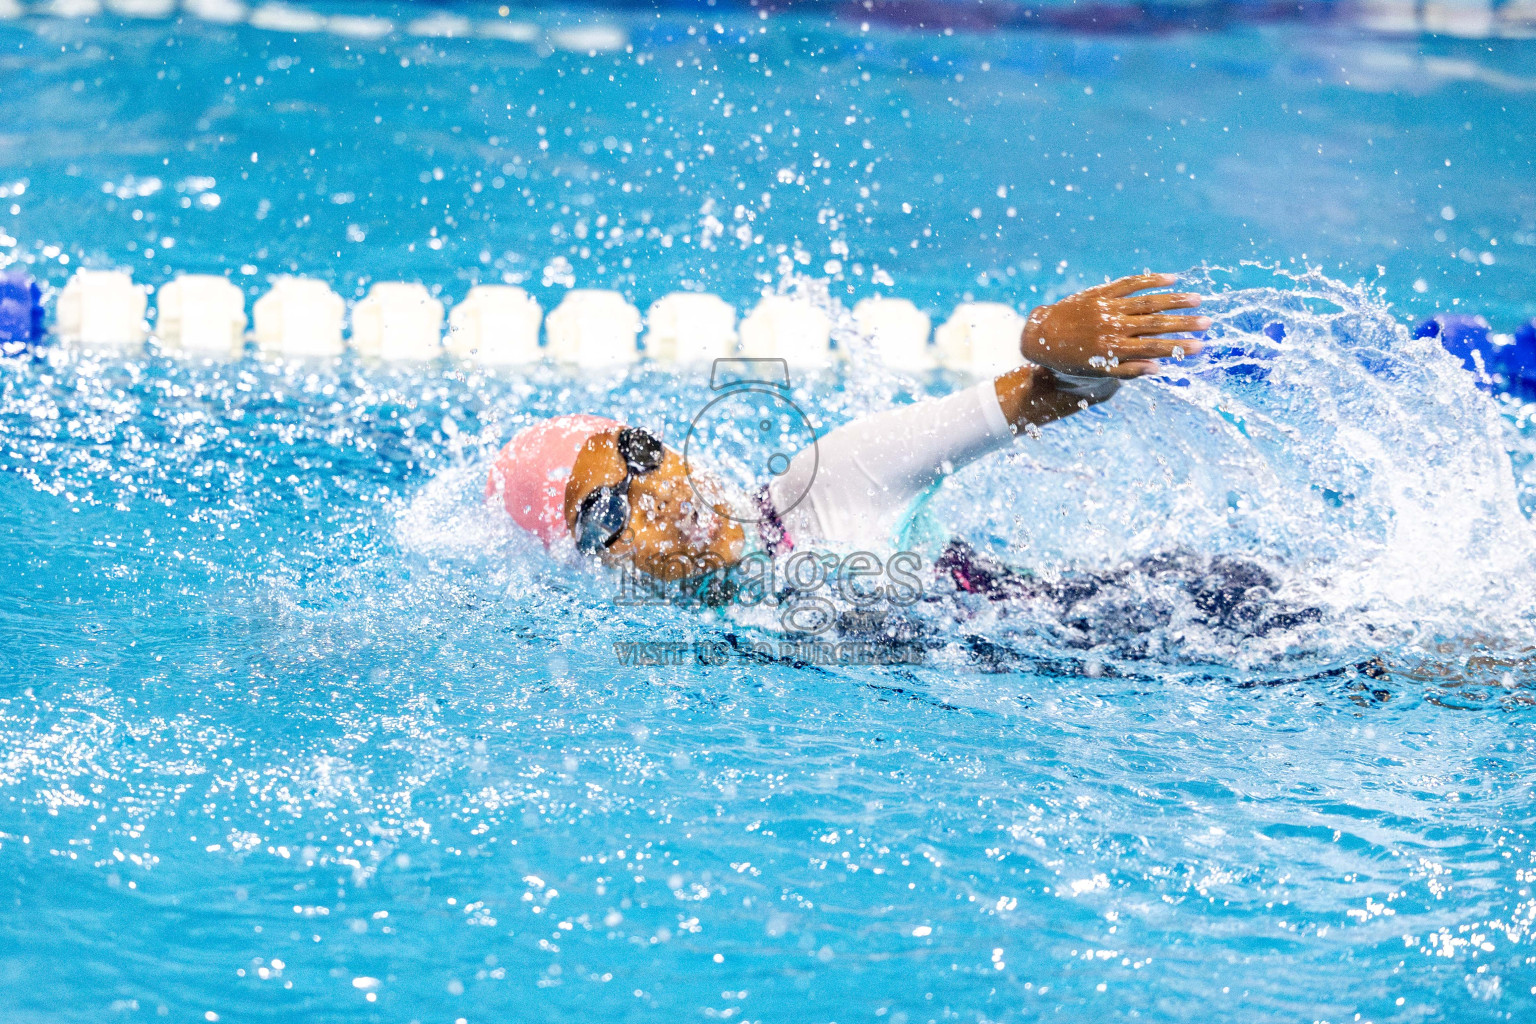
<point x="671" y="532"/>
<point x="531" y="472"/>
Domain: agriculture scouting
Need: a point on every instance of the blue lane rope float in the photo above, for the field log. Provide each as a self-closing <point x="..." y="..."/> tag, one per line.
<point x="1462" y="335"/>
<point x="1519" y="362"/>
<point x="21" y="311"/>
<point x="1508" y="367"/>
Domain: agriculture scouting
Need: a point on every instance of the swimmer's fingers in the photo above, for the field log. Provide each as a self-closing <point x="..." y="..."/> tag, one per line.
<point x="1162" y="324"/>
<point x="1153" y="348"/>
<point x="1141" y="305"/>
<point x="1133" y="369"/>
<point x="1127" y="285"/>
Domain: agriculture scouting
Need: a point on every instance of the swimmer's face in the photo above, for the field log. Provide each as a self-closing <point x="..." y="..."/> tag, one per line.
<point x="671" y="533"/>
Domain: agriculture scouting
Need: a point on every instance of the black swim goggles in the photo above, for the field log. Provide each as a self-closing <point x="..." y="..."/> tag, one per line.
<point x="604" y="512"/>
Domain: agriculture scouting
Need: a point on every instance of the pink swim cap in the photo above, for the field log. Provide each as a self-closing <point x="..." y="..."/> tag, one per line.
<point x="531" y="471"/>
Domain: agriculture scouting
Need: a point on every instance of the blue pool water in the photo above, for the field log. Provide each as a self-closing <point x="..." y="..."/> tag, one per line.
<point x="292" y="727"/>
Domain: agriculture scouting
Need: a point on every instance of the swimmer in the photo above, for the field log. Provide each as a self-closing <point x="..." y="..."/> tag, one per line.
<point x="621" y="495"/>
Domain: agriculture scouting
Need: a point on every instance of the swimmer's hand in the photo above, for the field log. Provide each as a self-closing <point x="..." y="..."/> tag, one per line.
<point x="1107" y="330"/>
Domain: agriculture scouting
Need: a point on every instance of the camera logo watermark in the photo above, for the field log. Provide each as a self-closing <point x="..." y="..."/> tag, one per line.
<point x="749" y="433"/>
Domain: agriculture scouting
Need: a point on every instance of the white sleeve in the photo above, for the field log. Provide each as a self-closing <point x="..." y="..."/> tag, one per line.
<point x="859" y="481"/>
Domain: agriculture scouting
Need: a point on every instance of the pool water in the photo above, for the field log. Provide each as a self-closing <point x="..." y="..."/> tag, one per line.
<point x="292" y="726"/>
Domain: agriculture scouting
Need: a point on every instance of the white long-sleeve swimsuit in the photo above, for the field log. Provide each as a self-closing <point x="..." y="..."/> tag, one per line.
<point x="858" y="484"/>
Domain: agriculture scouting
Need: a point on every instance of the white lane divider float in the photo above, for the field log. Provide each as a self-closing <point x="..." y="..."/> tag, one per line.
<point x="981" y="338"/>
<point x="360" y="26"/>
<point x="1460" y="18"/>
<point x="1519" y="17"/>
<point x="398" y="321"/>
<point x="496" y="325"/>
<point x="690" y="327"/>
<point x="590" y="39"/>
<point x="593" y="328"/>
<point x="102" y="308"/>
<point x="1394" y="17"/>
<point x="441" y="26"/>
<point x="300" y="317"/>
<point x="72" y="8"/>
<point x="201" y="314"/>
<point x="220" y="12"/>
<point x="11" y="10"/>
<point x="898" y="331"/>
<point x="788" y="328"/>
<point x="511" y="31"/>
<point x="284" y="18"/>
<point x="142" y="8"/>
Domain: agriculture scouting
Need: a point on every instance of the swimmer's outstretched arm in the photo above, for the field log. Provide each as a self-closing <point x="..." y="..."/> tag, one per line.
<point x="1083" y="345"/>
<point x="861" y="480"/>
